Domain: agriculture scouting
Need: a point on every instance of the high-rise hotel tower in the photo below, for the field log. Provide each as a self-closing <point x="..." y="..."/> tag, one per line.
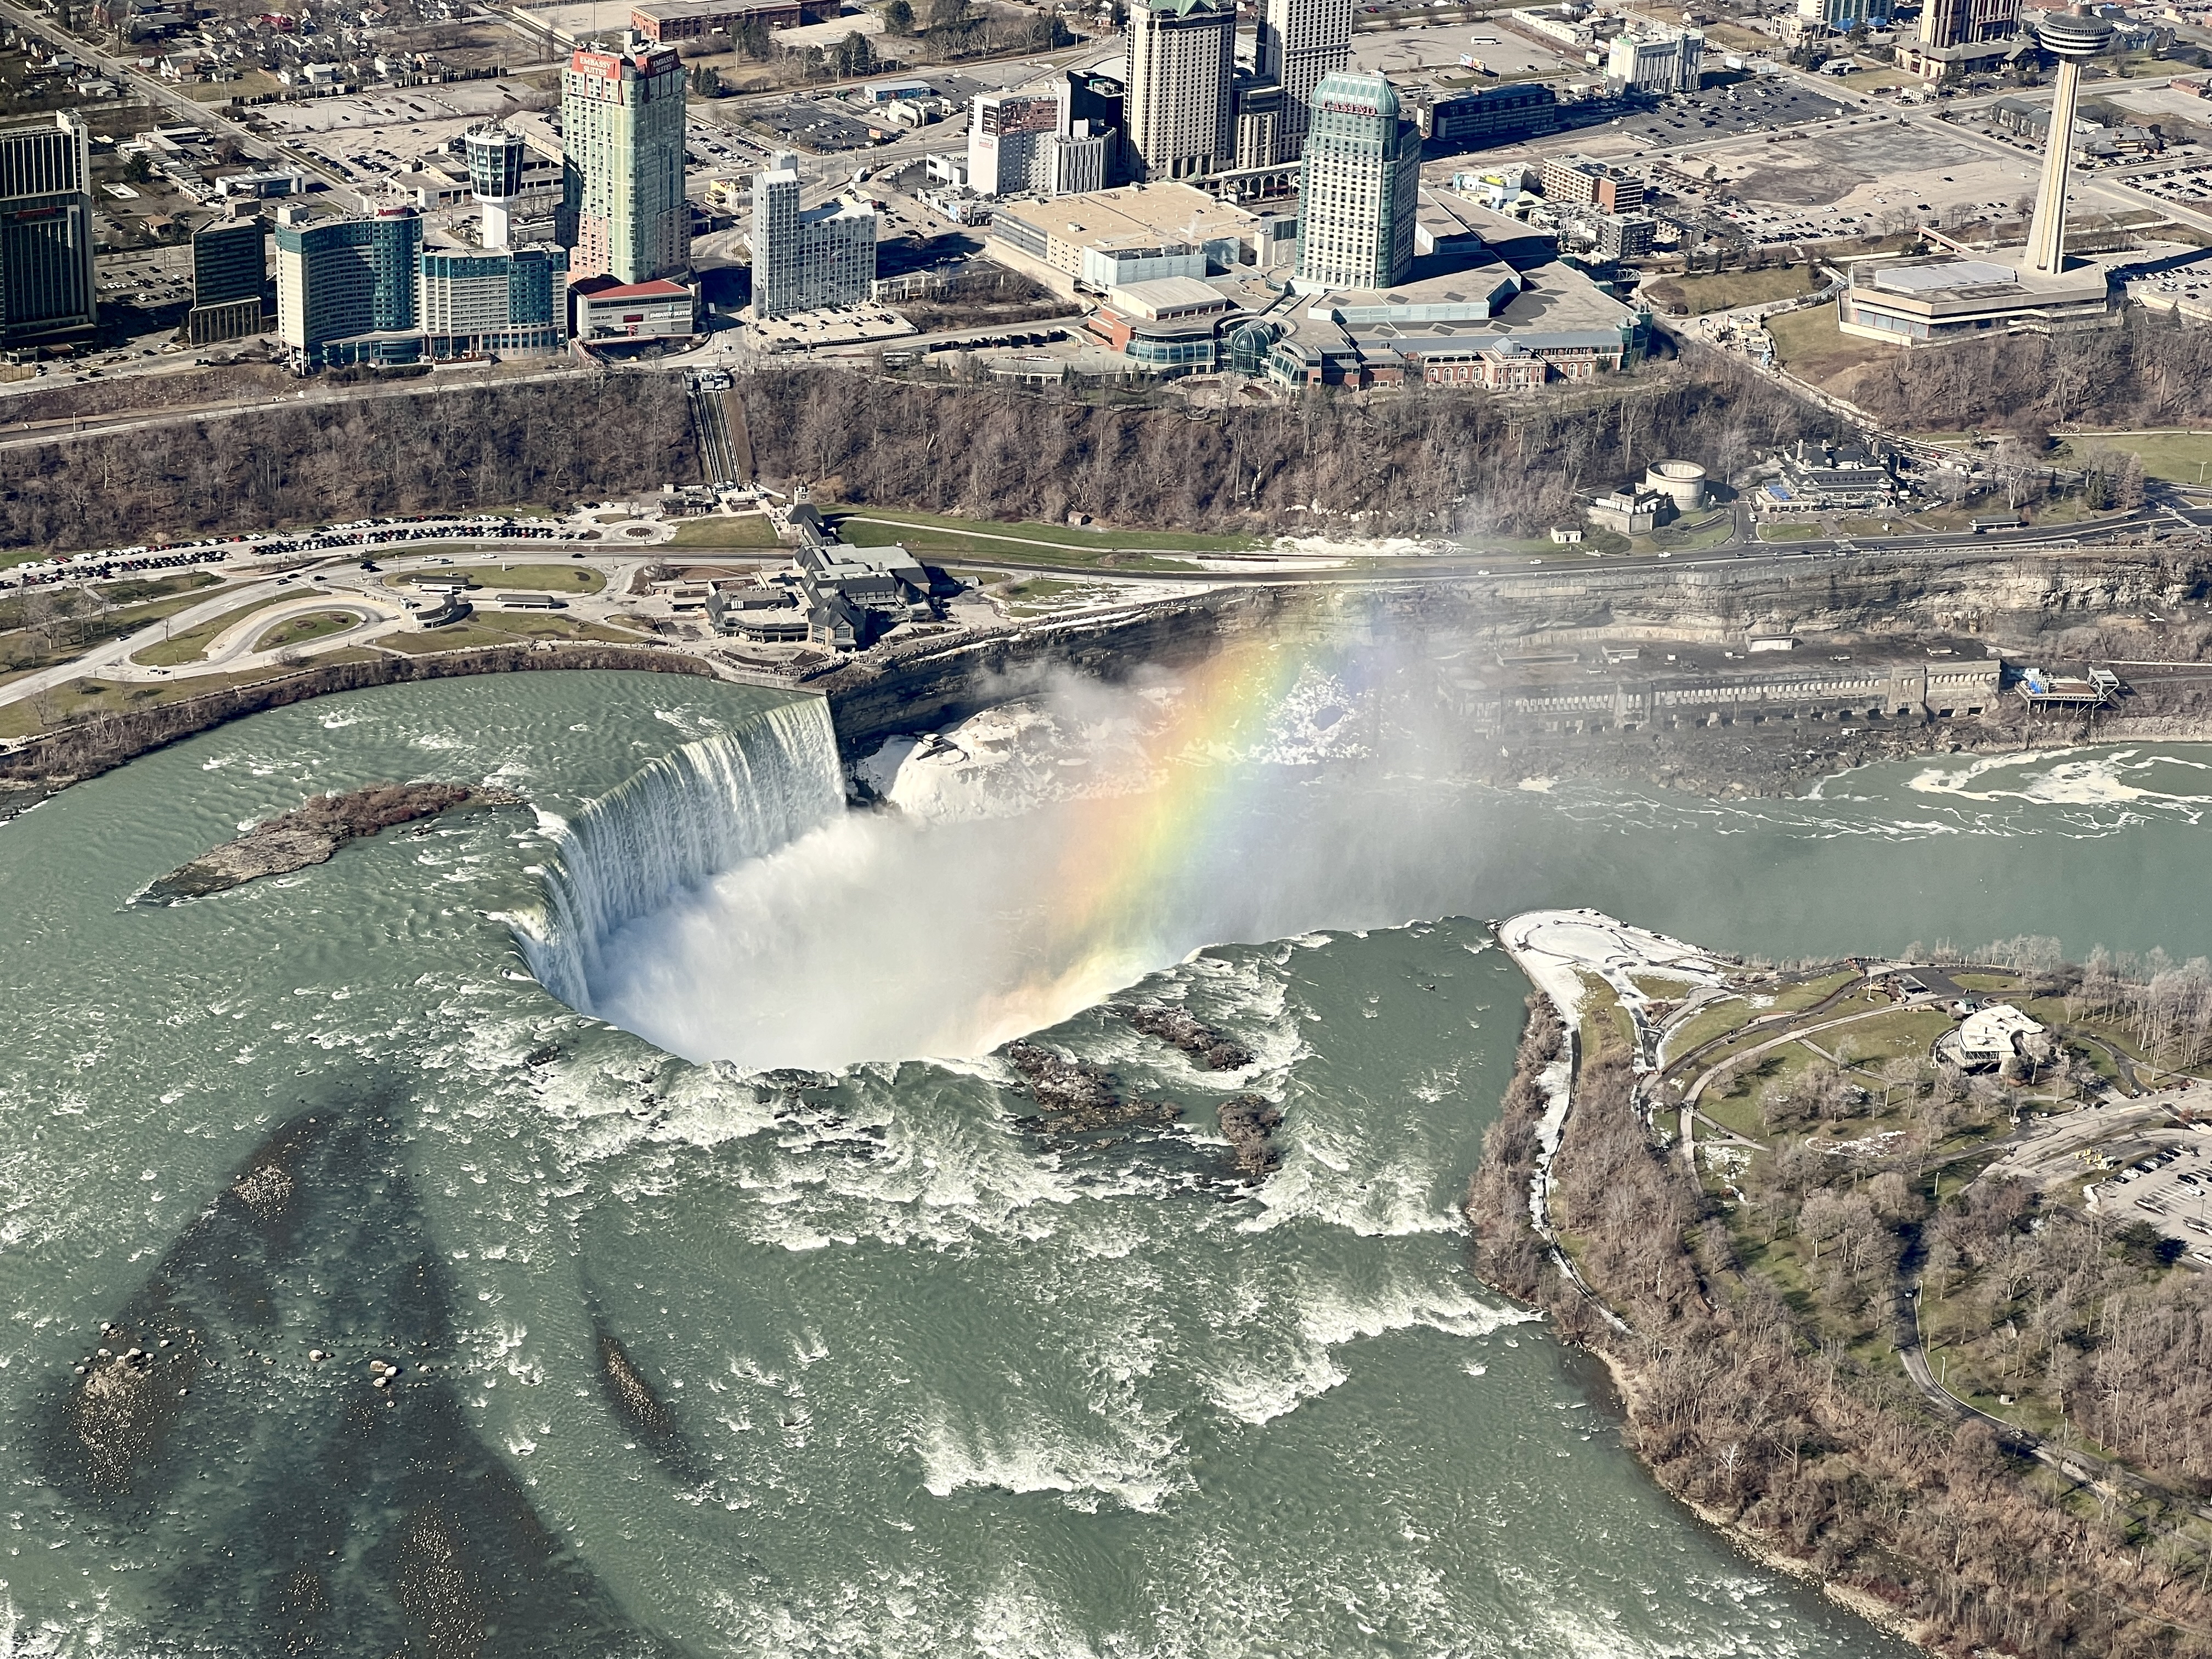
<point x="622" y="124"/>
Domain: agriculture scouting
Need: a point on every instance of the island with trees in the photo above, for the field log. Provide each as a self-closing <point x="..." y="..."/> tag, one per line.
<point x="1900" y="1267"/>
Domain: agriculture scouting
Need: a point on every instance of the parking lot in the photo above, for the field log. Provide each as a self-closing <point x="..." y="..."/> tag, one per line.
<point x="1863" y="175"/>
<point x="1755" y="104"/>
<point x="2169" y="1186"/>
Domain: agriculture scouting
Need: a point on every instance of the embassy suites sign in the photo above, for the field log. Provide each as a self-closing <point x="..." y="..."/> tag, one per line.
<point x="1335" y="106"/>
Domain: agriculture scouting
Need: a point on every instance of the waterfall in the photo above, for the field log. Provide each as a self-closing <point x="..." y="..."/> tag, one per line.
<point x="682" y="820"/>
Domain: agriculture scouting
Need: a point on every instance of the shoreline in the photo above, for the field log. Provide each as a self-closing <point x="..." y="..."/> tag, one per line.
<point x="46" y="764"/>
<point x="1632" y="1395"/>
<point x="1864" y="1603"/>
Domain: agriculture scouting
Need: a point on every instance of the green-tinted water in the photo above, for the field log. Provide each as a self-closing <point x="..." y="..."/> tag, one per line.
<point x="935" y="1386"/>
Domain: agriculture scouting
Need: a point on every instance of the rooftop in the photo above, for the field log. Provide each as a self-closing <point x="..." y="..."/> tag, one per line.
<point x="1135" y="214"/>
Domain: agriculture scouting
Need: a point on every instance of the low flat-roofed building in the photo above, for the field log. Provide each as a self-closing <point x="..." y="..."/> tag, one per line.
<point x="1111" y="239"/>
<point x="1926" y="301"/>
<point x="1174" y="325"/>
<point x="664" y="22"/>
<point x="1991" y="1036"/>
<point x="1490" y="326"/>
<point x="620" y="313"/>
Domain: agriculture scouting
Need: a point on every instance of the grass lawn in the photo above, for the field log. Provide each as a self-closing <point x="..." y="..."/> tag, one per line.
<point x="77" y="698"/>
<point x="1061" y="535"/>
<point x="2178" y="457"/>
<point x="1985" y="981"/>
<point x="1714" y="1020"/>
<point x="299" y="631"/>
<point x="481" y="631"/>
<point x="1677" y="539"/>
<point x="1808" y="992"/>
<point x="188" y="646"/>
<point x="1871" y="526"/>
<point x="97" y="630"/>
<point x="745" y="530"/>
<point x="1808" y="345"/>
<point x="534" y="578"/>
<point x="1724" y="290"/>
<point x="1788" y="533"/>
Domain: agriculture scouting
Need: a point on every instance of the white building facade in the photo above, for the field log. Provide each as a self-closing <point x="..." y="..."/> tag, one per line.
<point x="1180" y="100"/>
<point x="805" y="259"/>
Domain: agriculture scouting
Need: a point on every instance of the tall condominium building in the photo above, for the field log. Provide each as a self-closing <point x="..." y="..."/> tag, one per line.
<point x="1359" y="194"/>
<point x="1181" y="111"/>
<point x="46" y="231"/>
<point x="1967" y="23"/>
<point x="1008" y="133"/>
<point x="622" y="120"/>
<point x="805" y="259"/>
<point x="1300" y="42"/>
<point x="347" y="289"/>
<point x="230" y="267"/>
<point x="495" y="300"/>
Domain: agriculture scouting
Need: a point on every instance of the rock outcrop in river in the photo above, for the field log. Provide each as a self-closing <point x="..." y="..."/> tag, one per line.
<point x="312" y="833"/>
<point x="290" y="1365"/>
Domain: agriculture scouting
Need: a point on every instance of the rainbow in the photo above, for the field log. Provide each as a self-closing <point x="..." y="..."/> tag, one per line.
<point x="1128" y="854"/>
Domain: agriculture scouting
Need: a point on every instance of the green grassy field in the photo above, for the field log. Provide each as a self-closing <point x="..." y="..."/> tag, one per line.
<point x="533" y="578"/>
<point x="188" y="647"/>
<point x="2178" y="457"/>
<point x="1788" y="533"/>
<point x="300" y="630"/>
<point x="1808" y="345"/>
<point x="1060" y="535"/>
<point x="749" y="530"/>
<point x="78" y="698"/>
<point x="481" y="631"/>
<point x="1724" y="290"/>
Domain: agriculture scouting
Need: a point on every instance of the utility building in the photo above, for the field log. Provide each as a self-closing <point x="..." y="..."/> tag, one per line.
<point x="347" y="289"/>
<point x="230" y="269"/>
<point x="622" y="123"/>
<point x="1180" y="100"/>
<point x="1361" y="186"/>
<point x="47" y="289"/>
<point x="1300" y="42"/>
<point x="805" y="259"/>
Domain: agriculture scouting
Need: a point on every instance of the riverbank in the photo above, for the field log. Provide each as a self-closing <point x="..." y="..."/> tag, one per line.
<point x="1743" y="1397"/>
<point x="85" y="748"/>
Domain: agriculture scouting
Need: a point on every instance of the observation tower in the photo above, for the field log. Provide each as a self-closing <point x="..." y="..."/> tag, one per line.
<point x="2070" y="37"/>
<point x="495" y="157"/>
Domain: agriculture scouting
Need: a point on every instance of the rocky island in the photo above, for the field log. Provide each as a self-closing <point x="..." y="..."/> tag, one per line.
<point x="1894" y="1265"/>
<point x="311" y="834"/>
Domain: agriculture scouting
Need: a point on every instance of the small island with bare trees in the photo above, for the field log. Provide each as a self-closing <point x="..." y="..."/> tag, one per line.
<point x="1903" y="1268"/>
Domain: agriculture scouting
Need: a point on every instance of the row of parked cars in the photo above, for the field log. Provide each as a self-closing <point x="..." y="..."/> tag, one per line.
<point x="361" y="532"/>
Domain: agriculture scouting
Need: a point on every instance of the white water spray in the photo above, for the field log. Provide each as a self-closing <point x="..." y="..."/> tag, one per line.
<point x="677" y="823"/>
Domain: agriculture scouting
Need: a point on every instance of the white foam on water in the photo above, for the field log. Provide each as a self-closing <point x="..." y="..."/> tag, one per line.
<point x="1126" y="1459"/>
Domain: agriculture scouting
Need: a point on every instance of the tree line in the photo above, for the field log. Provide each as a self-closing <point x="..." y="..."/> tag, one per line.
<point x="2155" y="369"/>
<point x="1765" y="1394"/>
<point x="318" y="463"/>
<point x="1424" y="462"/>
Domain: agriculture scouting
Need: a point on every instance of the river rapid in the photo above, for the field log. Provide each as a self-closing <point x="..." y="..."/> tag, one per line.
<point x="927" y="1382"/>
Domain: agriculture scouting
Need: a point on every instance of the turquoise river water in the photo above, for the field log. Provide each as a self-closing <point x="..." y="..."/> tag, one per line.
<point x="927" y="1382"/>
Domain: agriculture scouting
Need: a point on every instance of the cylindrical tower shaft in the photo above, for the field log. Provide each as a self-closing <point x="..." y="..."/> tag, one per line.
<point x="2070" y="37"/>
<point x="2046" y="234"/>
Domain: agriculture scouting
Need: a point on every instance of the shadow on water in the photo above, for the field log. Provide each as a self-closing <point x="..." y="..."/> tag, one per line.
<point x="276" y="1408"/>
